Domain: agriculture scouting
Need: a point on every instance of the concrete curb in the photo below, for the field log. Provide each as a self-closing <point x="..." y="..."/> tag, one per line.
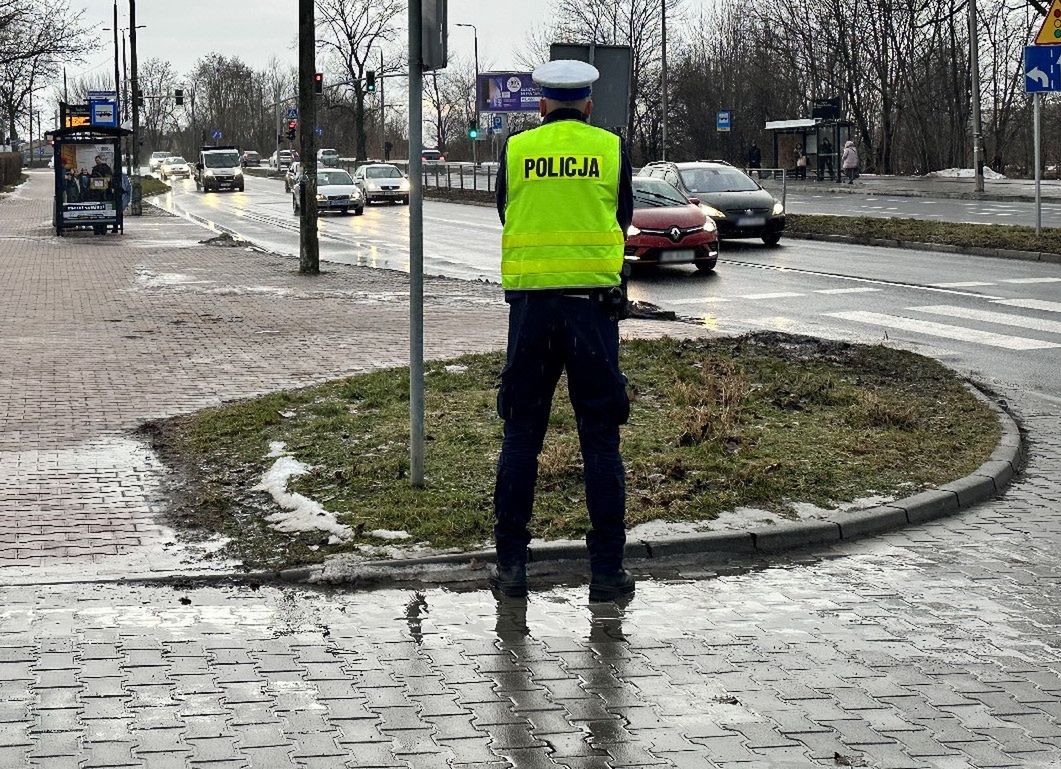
<point x="997" y="253"/>
<point x="981" y="485"/>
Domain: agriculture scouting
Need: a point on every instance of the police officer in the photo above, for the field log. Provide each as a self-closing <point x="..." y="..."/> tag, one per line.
<point x="564" y="195"/>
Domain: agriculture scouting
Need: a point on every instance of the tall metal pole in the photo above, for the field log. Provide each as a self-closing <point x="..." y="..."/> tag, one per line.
<point x="309" y="247"/>
<point x="117" y="78"/>
<point x="663" y="84"/>
<point x="135" y="205"/>
<point x="475" y="141"/>
<point x="416" y="246"/>
<point x="974" y="66"/>
<point x="382" y="111"/>
<point x="1038" y="168"/>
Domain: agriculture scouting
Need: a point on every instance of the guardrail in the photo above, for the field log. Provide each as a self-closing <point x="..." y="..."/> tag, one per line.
<point x="771" y="175"/>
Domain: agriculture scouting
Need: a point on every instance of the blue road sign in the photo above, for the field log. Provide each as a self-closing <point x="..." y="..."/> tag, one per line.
<point x="724" y="120"/>
<point x="1042" y="68"/>
<point x="319" y="131"/>
<point x="292" y="113"/>
<point x="216" y="135"/>
<point x="497" y="122"/>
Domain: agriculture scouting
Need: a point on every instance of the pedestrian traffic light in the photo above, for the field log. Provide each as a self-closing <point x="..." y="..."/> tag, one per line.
<point x="178" y="96"/>
<point x="318" y="82"/>
<point x="292" y="127"/>
<point x="370" y="81"/>
<point x="473" y="130"/>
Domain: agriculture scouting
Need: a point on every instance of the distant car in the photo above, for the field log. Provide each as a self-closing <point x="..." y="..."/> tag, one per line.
<point x="382" y="181"/>
<point x="336" y="191"/>
<point x="432" y="158"/>
<point x="281" y="160"/>
<point x="328" y="158"/>
<point x="250" y="158"/>
<point x="294" y="170"/>
<point x="174" y="166"/>
<point x="669" y="228"/>
<point x="740" y="207"/>
<point x="156" y="159"/>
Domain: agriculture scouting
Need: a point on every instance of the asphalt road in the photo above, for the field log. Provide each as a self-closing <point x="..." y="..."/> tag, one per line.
<point x="999" y="319"/>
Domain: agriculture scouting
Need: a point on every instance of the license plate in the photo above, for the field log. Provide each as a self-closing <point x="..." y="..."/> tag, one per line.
<point x="751" y="221"/>
<point x="681" y="255"/>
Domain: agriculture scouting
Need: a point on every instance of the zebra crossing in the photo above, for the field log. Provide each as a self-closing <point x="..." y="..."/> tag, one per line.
<point x="1015" y="324"/>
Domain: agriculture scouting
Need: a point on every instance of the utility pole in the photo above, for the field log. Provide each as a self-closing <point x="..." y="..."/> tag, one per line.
<point x="974" y="67"/>
<point x="117" y="80"/>
<point x="309" y="247"/>
<point x="382" y="112"/>
<point x="475" y="88"/>
<point x="663" y="84"/>
<point x="135" y="205"/>
<point x="416" y="245"/>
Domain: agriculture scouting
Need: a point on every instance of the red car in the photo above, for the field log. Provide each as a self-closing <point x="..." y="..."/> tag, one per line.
<point x="669" y="228"/>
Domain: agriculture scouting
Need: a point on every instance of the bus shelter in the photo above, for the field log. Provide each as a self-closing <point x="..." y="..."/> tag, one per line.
<point x="820" y="140"/>
<point x="89" y="193"/>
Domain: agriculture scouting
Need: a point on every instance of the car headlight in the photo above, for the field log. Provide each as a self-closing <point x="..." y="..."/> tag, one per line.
<point x="404" y="186"/>
<point x="321" y="198"/>
<point x="709" y="225"/>
<point x="631" y="231"/>
<point x="779" y="208"/>
<point x="208" y="173"/>
<point x="239" y="172"/>
<point x="712" y="212"/>
<point x="355" y="193"/>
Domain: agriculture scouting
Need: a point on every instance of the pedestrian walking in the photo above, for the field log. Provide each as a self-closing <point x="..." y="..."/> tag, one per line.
<point x="801" y="164"/>
<point x="755" y="159"/>
<point x="825" y="159"/>
<point x="564" y="195"/>
<point x="849" y="161"/>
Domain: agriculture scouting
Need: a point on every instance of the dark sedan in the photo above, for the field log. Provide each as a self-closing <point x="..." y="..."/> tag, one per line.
<point x="669" y="228"/>
<point x="739" y="205"/>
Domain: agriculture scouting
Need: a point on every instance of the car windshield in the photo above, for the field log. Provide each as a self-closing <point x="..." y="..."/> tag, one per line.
<point x="220" y="159"/>
<point x="656" y="193"/>
<point x="251" y="154"/>
<point x="383" y="172"/>
<point x="326" y="178"/>
<point x="431" y="154"/>
<point x="176" y="161"/>
<point x="717" y="180"/>
<point x="160" y="154"/>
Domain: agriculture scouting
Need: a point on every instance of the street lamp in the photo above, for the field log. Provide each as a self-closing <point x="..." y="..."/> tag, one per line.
<point x="475" y="92"/>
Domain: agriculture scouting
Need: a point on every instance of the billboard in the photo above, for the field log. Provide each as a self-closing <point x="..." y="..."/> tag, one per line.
<point x="507" y="92"/>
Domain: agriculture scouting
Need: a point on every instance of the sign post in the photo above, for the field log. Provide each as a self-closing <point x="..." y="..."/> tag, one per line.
<point x="1042" y="73"/>
<point x="724" y="121"/>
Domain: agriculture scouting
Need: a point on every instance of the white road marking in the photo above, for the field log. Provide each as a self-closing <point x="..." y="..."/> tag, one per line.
<point x="1031" y="280"/>
<point x="986" y="316"/>
<point x="959" y="333"/>
<point x="701" y="300"/>
<point x="962" y="284"/>
<point x="1031" y="304"/>
<point x="845" y="290"/>
<point x="775" y="295"/>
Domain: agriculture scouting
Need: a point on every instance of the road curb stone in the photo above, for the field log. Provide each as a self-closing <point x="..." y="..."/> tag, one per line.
<point x="947" y="248"/>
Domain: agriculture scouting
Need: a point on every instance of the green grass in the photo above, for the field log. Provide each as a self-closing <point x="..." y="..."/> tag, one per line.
<point x="760" y="421"/>
<point x="1002" y="236"/>
<point x="149" y="186"/>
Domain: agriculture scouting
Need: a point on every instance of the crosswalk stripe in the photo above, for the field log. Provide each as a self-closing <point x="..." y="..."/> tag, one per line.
<point x="986" y="316"/>
<point x="1031" y="304"/>
<point x="776" y="295"/>
<point x="845" y="290"/>
<point x="959" y="333"/>
<point x="962" y="284"/>
<point x="700" y="300"/>
<point x="1026" y="281"/>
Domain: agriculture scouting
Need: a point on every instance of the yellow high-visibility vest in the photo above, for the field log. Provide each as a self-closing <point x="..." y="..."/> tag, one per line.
<point x="560" y="226"/>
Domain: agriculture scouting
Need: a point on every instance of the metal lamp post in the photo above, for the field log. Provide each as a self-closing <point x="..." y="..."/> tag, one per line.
<point x="475" y="141"/>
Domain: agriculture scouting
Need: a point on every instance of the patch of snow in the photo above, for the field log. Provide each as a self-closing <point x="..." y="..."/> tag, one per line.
<point x="456" y="368"/>
<point x="964" y="173"/>
<point x="388" y="534"/>
<point x="299" y="513"/>
<point x="286" y="414"/>
<point x="276" y="449"/>
<point x="161" y="280"/>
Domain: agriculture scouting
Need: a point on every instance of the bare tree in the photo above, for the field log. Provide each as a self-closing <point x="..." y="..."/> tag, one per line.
<point x="352" y="33"/>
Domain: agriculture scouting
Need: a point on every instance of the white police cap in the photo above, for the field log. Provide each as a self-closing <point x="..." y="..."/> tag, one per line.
<point x="566" y="79"/>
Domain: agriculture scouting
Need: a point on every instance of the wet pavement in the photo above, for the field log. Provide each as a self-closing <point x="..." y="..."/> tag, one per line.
<point x="935" y="646"/>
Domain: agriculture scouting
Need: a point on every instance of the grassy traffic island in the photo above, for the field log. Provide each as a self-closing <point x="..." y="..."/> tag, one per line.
<point x="149" y="186"/>
<point x="763" y="421"/>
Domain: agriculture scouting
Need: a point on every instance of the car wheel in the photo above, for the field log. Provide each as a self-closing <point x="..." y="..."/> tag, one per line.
<point x="705" y="266"/>
<point x="772" y="239"/>
<point x="241" y="188"/>
<point x="344" y="211"/>
<point x="405" y="200"/>
<point x="359" y="211"/>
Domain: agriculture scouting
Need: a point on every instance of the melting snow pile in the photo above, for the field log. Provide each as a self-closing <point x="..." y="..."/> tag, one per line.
<point x="299" y="513"/>
<point x="965" y="173"/>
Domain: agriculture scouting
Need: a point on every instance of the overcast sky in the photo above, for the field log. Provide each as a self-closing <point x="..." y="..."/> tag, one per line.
<point x="183" y="30"/>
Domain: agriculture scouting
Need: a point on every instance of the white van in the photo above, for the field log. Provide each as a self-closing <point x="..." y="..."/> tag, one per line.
<point x="328" y="158"/>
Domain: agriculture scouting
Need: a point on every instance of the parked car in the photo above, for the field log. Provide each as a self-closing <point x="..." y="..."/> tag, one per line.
<point x="336" y="191"/>
<point x="174" y="166"/>
<point x="250" y="158"/>
<point x="669" y="228"/>
<point x="382" y="181"/>
<point x="739" y="205"/>
<point x="294" y="168"/>
<point x="156" y="159"/>
<point x="432" y="158"/>
<point x="328" y="158"/>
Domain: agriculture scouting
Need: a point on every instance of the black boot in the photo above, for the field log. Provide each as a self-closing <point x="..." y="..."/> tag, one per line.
<point x="509" y="581"/>
<point x="609" y="587"/>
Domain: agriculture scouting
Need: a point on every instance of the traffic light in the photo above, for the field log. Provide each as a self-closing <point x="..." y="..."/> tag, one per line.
<point x="138" y="99"/>
<point x="473" y="130"/>
<point x="318" y="82"/>
<point x="370" y="81"/>
<point x="292" y="127"/>
<point x="178" y="96"/>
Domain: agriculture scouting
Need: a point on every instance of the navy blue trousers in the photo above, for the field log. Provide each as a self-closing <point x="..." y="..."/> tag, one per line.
<point x="549" y="333"/>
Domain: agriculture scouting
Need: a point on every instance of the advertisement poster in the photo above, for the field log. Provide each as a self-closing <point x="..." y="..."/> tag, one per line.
<point x="82" y="157"/>
<point x="508" y="92"/>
